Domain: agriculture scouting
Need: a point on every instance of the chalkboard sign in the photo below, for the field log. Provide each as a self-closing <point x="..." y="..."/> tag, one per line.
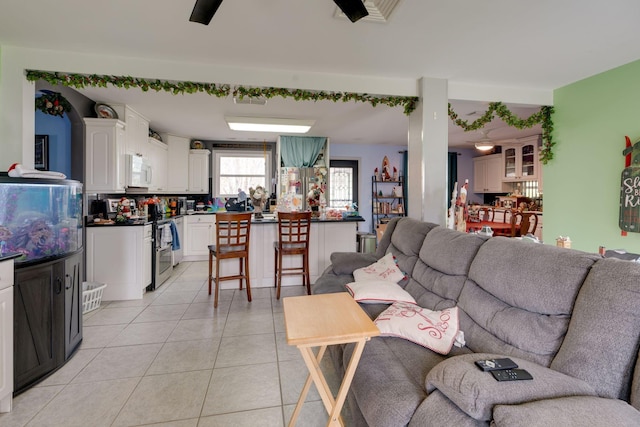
<point x="630" y="199"/>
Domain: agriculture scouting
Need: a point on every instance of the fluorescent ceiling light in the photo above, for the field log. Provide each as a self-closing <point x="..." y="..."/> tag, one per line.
<point x="483" y="146"/>
<point x="265" y="124"/>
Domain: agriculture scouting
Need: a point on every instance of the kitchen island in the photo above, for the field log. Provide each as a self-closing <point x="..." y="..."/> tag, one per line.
<point x="327" y="236"/>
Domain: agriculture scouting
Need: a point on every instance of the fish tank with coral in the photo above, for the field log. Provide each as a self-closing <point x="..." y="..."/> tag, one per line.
<point x="41" y="219"/>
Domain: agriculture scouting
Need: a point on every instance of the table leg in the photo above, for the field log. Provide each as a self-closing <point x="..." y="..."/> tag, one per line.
<point x="307" y="384"/>
<point x="334" y="416"/>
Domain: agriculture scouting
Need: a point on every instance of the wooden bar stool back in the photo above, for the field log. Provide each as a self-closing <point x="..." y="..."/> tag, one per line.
<point x="293" y="239"/>
<point x="523" y="223"/>
<point x="232" y="241"/>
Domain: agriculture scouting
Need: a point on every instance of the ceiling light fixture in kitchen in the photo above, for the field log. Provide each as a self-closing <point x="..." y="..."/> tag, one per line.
<point x="484" y="146"/>
<point x="268" y="124"/>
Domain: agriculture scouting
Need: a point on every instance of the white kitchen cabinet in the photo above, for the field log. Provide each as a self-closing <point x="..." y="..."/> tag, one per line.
<point x="178" y="154"/>
<point x="200" y="233"/>
<point x="105" y="156"/>
<point x="119" y="256"/>
<point x="487" y="174"/>
<point x="158" y="153"/>
<point x="199" y="171"/>
<point x="137" y="132"/>
<point x="520" y="161"/>
<point x="6" y="335"/>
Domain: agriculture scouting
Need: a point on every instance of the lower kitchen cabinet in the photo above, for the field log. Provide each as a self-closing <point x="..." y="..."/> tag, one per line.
<point x="200" y="233"/>
<point x="120" y="256"/>
<point x="47" y="324"/>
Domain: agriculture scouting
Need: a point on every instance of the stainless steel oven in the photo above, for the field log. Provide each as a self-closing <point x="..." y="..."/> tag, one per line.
<point x="161" y="260"/>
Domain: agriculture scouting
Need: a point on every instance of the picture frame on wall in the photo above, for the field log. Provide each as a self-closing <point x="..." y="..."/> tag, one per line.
<point x="41" y="160"/>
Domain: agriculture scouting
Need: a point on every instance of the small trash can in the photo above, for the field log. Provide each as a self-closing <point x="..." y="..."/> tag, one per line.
<point x="367" y="243"/>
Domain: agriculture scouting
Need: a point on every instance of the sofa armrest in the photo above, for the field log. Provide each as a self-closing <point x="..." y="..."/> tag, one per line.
<point x="568" y="411"/>
<point x="347" y="262"/>
<point x="477" y="392"/>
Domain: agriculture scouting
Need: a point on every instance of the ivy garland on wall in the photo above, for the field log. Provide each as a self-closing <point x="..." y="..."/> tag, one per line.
<point x="220" y="90"/>
<point x="542" y="117"/>
<point x="409" y="103"/>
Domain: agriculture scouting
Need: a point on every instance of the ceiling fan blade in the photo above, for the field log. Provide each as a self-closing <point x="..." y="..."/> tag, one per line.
<point x="204" y="10"/>
<point x="354" y="9"/>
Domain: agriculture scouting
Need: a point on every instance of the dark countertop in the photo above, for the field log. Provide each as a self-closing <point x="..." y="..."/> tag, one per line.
<point x="130" y="223"/>
<point x="5" y="257"/>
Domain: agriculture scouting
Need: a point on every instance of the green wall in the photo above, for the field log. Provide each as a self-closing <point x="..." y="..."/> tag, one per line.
<point x="582" y="182"/>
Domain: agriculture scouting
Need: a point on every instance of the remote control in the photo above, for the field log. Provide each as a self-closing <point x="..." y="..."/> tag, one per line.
<point x="495" y="364"/>
<point x="511" y="375"/>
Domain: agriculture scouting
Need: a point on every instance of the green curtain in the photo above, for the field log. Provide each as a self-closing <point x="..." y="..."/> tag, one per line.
<point x="301" y="151"/>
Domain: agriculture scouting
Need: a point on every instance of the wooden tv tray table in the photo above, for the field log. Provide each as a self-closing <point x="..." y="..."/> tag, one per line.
<point x="319" y="321"/>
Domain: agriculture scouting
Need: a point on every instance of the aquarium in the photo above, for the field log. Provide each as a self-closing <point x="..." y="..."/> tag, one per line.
<point x="40" y="218"/>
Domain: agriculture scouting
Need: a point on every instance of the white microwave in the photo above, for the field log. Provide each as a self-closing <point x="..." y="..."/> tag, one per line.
<point x="138" y="171"/>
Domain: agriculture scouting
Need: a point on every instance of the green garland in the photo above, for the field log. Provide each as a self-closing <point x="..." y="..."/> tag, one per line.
<point x="53" y="103"/>
<point x="542" y="117"/>
<point x="409" y="103"/>
<point x="80" y="81"/>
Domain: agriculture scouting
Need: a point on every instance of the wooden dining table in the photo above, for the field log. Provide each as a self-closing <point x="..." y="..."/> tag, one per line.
<point x="500" y="228"/>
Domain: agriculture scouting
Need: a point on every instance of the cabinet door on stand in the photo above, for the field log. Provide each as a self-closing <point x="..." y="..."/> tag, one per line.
<point x="38" y="320"/>
<point x="73" y="303"/>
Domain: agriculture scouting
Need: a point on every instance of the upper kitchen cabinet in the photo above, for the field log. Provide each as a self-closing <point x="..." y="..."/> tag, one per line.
<point x="178" y="173"/>
<point x="487" y="174"/>
<point x="105" y="152"/>
<point x="520" y="161"/>
<point x="158" y="158"/>
<point x="199" y="171"/>
<point x="137" y="132"/>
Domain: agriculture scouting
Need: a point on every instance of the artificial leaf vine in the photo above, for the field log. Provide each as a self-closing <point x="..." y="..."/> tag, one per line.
<point x="408" y="103"/>
<point x="542" y="117"/>
<point x="80" y="81"/>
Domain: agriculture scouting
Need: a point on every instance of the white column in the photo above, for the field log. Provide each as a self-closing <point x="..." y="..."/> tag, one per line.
<point x="428" y="158"/>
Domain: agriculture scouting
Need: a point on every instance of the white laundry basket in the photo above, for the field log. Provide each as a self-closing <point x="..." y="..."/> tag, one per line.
<point x="91" y="295"/>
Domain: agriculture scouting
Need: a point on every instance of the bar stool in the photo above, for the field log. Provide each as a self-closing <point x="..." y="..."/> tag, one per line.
<point x="232" y="241"/>
<point x="293" y="239"/>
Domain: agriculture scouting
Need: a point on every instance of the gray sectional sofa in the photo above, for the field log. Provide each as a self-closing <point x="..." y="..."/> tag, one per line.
<point x="572" y="319"/>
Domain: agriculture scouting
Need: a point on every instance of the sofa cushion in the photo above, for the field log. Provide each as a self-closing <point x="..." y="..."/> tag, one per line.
<point x="347" y="262"/>
<point x="406" y="240"/>
<point x="519" y="297"/>
<point x="385" y="268"/>
<point x="574" y="411"/>
<point x="389" y="382"/>
<point x="635" y="386"/>
<point x="441" y="270"/>
<point x="378" y="292"/>
<point x="435" y="330"/>
<point x="601" y="346"/>
<point x="477" y="392"/>
<point x="438" y="411"/>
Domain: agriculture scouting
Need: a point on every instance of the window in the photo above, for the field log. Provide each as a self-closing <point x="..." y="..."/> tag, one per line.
<point x="240" y="170"/>
<point x="343" y="188"/>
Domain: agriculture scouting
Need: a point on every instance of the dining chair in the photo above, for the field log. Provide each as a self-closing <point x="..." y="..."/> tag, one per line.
<point x="523" y="223"/>
<point x="486" y="214"/>
<point x="232" y="241"/>
<point x="293" y="239"/>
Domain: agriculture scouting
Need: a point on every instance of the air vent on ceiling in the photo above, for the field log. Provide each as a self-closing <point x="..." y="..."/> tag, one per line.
<point x="250" y="100"/>
<point x="379" y="10"/>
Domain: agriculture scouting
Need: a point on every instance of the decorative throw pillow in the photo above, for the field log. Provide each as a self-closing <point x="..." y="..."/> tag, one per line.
<point x="378" y="292"/>
<point x="385" y="269"/>
<point x="435" y="330"/>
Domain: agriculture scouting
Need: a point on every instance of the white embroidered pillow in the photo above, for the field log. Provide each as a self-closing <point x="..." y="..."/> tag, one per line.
<point x="435" y="330"/>
<point x="378" y="292"/>
<point x="385" y="269"/>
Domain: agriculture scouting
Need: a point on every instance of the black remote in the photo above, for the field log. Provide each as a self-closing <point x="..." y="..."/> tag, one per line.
<point x="495" y="364"/>
<point x="511" y="375"/>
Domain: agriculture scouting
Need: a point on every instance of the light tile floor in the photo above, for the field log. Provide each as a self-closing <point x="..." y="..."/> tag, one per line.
<point x="170" y="359"/>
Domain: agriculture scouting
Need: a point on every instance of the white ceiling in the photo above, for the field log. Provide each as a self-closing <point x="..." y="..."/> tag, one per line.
<point x="533" y="45"/>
